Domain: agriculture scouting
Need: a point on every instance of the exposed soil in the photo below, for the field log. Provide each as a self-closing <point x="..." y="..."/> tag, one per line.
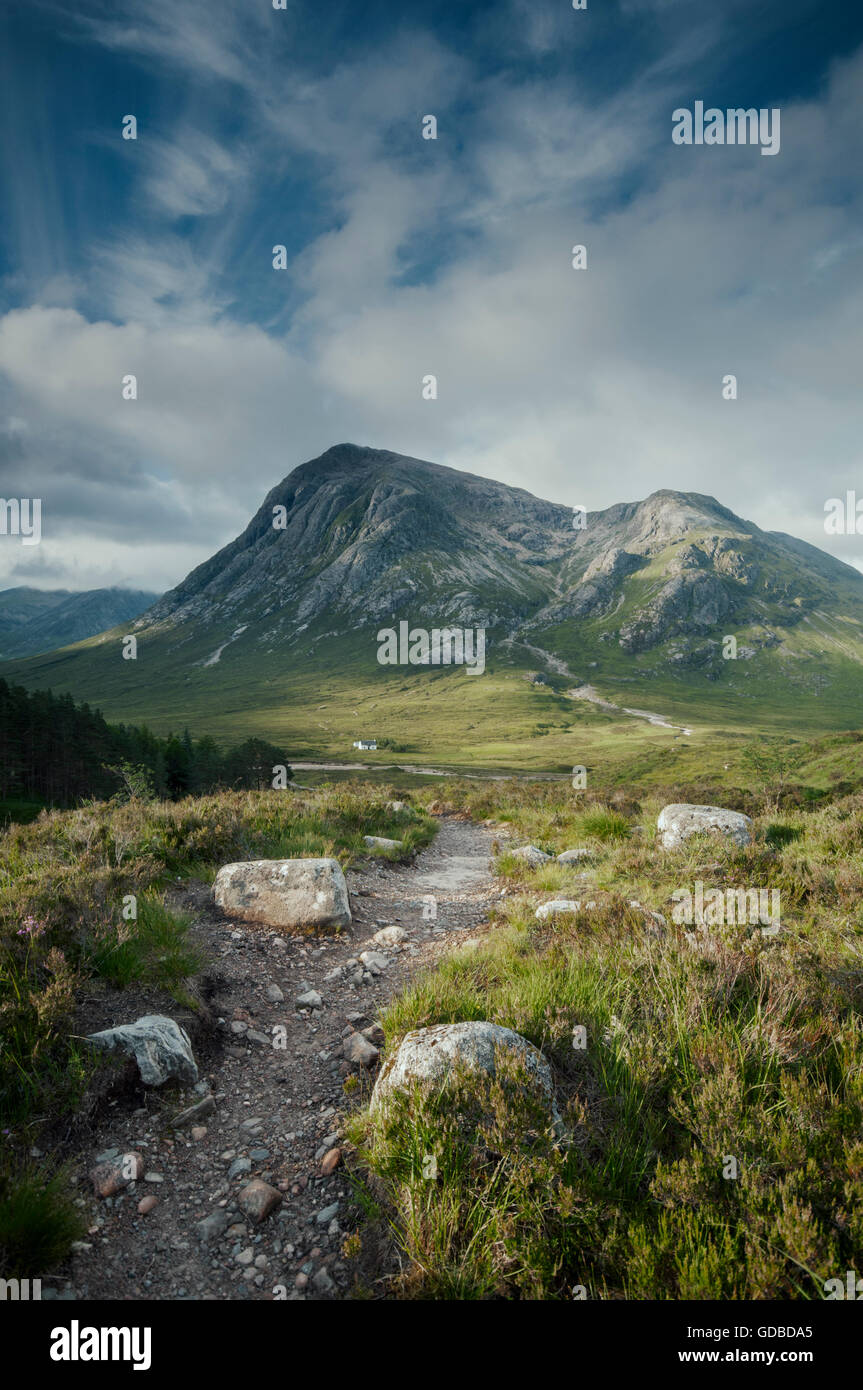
<point x="277" y="1108"/>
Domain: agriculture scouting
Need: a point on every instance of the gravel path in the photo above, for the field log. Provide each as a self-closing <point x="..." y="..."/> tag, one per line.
<point x="272" y="1111"/>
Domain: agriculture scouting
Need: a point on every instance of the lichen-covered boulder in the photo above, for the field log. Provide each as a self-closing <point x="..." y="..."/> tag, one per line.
<point x="531" y="855"/>
<point x="381" y="842"/>
<point x="576" y="856"/>
<point x="680" y="820"/>
<point x="429" y="1055"/>
<point x="298" y="893"/>
<point x="558" y="907"/>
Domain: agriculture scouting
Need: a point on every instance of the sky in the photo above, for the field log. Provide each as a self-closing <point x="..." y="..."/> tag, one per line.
<point x="408" y="257"/>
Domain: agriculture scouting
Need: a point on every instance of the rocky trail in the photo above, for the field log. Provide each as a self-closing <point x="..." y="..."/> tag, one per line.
<point x="195" y="1224"/>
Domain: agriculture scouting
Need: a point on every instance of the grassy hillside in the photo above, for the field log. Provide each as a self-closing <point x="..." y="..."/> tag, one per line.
<point x="714" y="1095"/>
<point x="317" y="700"/>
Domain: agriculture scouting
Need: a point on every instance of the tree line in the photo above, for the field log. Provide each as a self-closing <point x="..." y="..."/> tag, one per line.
<point x="57" y="752"/>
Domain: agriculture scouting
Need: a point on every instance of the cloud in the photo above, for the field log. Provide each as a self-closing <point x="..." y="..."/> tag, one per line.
<point x="451" y="257"/>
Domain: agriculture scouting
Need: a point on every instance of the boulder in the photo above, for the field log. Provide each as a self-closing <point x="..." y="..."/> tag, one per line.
<point x="390" y="936"/>
<point x="380" y="842"/>
<point x="284" y="892"/>
<point x="531" y="855"/>
<point x="677" y="822"/>
<point x="557" y="907"/>
<point x="428" y="1055"/>
<point x="159" y="1045"/>
<point x="575" y="856"/>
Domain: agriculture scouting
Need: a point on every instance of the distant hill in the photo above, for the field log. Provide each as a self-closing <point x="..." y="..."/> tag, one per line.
<point x="276" y="634"/>
<point x="38" y="620"/>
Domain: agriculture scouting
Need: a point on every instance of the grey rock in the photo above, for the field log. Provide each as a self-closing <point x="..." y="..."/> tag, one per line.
<point x="195" y="1113"/>
<point x="212" y="1226"/>
<point x="159" y="1045"/>
<point x="359" y="1050"/>
<point x="558" y="907"/>
<point x="322" y="1281"/>
<point x="531" y="855"/>
<point x="390" y="936"/>
<point x="309" y="1000"/>
<point x="680" y="820"/>
<point x="428" y="1055"/>
<point x="285" y="892"/>
<point x="374" y="961"/>
<point x="575" y="856"/>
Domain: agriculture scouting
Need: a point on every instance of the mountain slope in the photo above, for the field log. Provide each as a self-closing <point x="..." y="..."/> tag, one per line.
<point x="276" y="634"/>
<point x="38" y="620"/>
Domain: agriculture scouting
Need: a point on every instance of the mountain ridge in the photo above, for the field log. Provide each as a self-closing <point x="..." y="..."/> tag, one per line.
<point x="643" y="595"/>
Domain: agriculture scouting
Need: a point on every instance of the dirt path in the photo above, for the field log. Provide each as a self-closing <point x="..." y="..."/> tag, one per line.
<point x="277" y="1109"/>
<point x="592" y="696"/>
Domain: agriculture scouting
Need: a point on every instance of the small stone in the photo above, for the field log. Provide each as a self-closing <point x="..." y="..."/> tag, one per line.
<point x="195" y="1112"/>
<point x="110" y="1178"/>
<point x="301" y="1281"/>
<point x="147" y="1204"/>
<point x="374" y="961"/>
<point x="331" y="1161"/>
<point x="274" y="994"/>
<point x="309" y="1000"/>
<point x="212" y="1226"/>
<point x="198" y="1133"/>
<point x="358" y="1049"/>
<point x="258" y="1199"/>
<point x="246" y="1256"/>
<point x="239" y="1165"/>
<point x="390" y="936"/>
<point x="324" y="1217"/>
<point x="322" y="1281"/>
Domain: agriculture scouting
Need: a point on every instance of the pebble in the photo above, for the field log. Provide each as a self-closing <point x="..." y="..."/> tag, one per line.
<point x="258" y="1199"/>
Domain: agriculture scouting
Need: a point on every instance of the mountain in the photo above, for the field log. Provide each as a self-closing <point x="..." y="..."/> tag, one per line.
<point x="632" y="607"/>
<point x="38" y="620"/>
